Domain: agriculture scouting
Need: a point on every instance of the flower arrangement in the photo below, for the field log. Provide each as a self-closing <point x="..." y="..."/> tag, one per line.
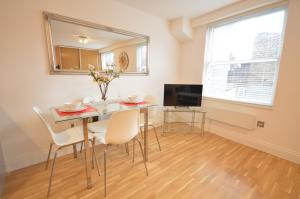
<point x="103" y="78"/>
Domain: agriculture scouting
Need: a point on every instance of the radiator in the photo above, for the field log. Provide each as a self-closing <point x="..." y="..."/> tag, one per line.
<point x="235" y="118"/>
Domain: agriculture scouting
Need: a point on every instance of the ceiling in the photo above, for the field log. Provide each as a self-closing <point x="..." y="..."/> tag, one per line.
<point x="169" y="9"/>
<point x="67" y="34"/>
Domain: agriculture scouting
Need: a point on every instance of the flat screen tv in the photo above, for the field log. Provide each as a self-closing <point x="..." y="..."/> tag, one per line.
<point x="182" y="94"/>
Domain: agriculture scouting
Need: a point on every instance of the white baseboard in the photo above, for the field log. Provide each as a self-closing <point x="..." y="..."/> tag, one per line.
<point x="261" y="145"/>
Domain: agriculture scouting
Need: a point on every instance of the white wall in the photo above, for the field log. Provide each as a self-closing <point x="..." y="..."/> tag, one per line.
<point x="281" y="134"/>
<point x="24" y="77"/>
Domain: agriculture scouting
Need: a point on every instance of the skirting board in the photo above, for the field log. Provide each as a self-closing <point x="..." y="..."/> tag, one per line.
<point x="264" y="146"/>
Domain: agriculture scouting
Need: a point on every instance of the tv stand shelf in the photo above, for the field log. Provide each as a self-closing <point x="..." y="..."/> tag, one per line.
<point x="193" y="111"/>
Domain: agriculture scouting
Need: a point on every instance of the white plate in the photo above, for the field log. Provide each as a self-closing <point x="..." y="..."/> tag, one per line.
<point x="133" y="101"/>
<point x="75" y="109"/>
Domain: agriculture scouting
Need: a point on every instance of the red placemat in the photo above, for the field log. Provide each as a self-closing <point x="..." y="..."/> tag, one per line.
<point x="88" y="109"/>
<point x="133" y="104"/>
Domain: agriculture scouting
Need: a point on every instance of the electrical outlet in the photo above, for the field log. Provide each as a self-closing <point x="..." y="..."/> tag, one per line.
<point x="260" y="124"/>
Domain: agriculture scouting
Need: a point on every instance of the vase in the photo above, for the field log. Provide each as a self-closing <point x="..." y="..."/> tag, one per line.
<point x="103" y="87"/>
<point x="103" y="97"/>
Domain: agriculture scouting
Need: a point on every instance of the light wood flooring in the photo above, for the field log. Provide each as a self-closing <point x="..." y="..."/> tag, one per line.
<point x="189" y="166"/>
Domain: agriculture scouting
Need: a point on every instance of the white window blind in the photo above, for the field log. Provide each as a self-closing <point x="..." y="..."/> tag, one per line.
<point x="242" y="58"/>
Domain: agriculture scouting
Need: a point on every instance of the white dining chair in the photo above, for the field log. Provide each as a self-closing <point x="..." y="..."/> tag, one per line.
<point x="152" y="100"/>
<point x="121" y="128"/>
<point x="69" y="137"/>
<point x="96" y="127"/>
<point x="99" y="127"/>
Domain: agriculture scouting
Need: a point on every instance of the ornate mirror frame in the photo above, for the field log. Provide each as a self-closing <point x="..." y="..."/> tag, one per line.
<point x="51" y="51"/>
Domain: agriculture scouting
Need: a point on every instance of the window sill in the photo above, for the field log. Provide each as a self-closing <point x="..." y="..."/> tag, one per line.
<point x="267" y="107"/>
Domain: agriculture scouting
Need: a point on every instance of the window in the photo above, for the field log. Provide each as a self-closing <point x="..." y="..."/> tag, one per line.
<point x="242" y="58"/>
<point x="141" y="57"/>
<point x="107" y="59"/>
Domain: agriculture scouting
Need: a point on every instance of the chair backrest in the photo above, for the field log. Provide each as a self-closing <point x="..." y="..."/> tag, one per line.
<point x="122" y="126"/>
<point x="38" y="111"/>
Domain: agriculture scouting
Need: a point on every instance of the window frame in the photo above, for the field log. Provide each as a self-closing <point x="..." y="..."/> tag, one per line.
<point x="104" y="55"/>
<point x="139" y="53"/>
<point x="240" y="17"/>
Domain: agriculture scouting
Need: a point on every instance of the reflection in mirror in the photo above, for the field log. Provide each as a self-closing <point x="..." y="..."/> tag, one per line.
<point x="74" y="45"/>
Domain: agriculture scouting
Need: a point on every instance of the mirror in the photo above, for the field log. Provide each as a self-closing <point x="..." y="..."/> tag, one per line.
<point x="74" y="44"/>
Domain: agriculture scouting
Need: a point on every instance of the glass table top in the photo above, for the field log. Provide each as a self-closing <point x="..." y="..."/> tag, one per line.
<point x="97" y="109"/>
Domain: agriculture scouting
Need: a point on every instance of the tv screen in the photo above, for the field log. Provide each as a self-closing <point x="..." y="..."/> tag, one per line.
<point x="182" y="95"/>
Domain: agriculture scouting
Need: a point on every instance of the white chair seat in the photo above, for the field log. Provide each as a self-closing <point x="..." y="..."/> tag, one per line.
<point x="100" y="137"/>
<point x="70" y="136"/>
<point x="98" y="127"/>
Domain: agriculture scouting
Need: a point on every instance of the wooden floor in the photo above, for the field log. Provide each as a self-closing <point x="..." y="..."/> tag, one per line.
<point x="189" y="166"/>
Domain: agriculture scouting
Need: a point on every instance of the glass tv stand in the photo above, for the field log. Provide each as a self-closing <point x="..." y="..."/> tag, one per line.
<point x="193" y="111"/>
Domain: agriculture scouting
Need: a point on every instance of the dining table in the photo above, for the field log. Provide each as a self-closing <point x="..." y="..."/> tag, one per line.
<point x="102" y="110"/>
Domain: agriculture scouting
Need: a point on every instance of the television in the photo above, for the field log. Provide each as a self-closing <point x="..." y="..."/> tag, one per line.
<point x="182" y="95"/>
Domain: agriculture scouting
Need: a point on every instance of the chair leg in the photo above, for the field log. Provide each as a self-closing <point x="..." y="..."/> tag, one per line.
<point x="156" y="137"/>
<point x="126" y="148"/>
<point x="104" y="162"/>
<point x="48" y="157"/>
<point x="81" y="147"/>
<point x="94" y="156"/>
<point x="133" y="149"/>
<point x="74" y="150"/>
<point x="93" y="163"/>
<point x="51" y="175"/>
<point x="144" y="159"/>
<point x="142" y="134"/>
